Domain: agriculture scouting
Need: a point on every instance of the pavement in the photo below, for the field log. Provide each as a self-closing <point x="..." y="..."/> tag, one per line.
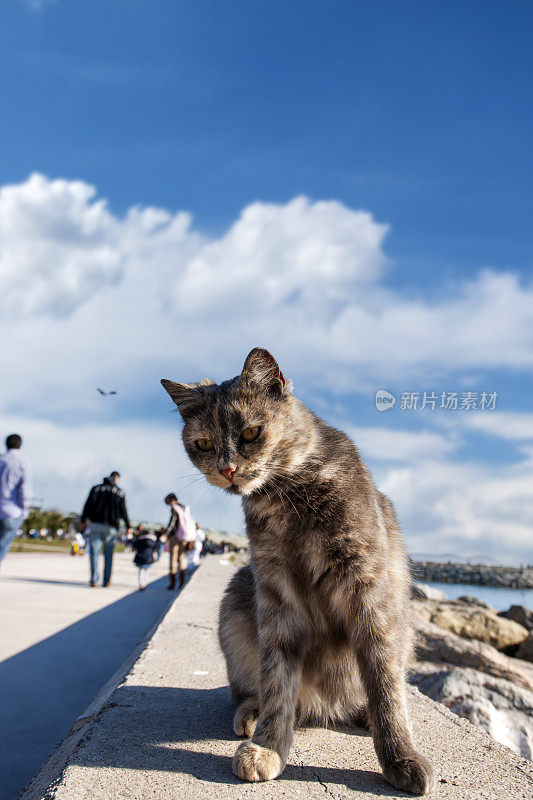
<point x="61" y="641"/>
<point x="163" y="729"/>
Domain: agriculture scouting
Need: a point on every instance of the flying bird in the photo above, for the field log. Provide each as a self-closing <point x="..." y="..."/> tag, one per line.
<point x="105" y="394"/>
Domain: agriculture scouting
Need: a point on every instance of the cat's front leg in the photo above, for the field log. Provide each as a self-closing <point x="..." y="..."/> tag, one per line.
<point x="265" y="756"/>
<point x="383" y="678"/>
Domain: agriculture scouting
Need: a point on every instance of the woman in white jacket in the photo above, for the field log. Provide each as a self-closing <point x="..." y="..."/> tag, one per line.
<point x="180" y="535"/>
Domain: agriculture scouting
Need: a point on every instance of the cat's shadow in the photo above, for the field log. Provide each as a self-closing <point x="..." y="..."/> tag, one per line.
<point x="178" y="730"/>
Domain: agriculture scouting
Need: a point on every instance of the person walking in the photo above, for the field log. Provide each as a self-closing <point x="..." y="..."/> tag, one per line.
<point x="145" y="547"/>
<point x="161" y="539"/>
<point x="195" y="555"/>
<point x="13" y="492"/>
<point x="102" y="512"/>
<point x="180" y="531"/>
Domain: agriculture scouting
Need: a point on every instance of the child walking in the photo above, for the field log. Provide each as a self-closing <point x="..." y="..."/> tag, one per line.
<point x="145" y="547"/>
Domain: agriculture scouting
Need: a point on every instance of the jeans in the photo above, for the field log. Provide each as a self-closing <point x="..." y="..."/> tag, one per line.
<point x="101" y="534"/>
<point x="8" y="529"/>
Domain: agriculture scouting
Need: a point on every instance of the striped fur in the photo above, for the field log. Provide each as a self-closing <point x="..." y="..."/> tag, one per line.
<point x="316" y="629"/>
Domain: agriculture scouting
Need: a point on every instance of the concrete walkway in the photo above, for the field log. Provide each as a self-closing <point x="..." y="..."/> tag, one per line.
<point x="60" y="642"/>
<point x="166" y="732"/>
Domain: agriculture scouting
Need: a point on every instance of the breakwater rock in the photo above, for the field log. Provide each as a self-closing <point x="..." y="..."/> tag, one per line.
<point x="478" y="574"/>
<point x="471" y="621"/>
<point x="463" y="660"/>
<point x="497" y="705"/>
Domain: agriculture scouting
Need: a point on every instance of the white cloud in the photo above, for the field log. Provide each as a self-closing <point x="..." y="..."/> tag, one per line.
<point x="514" y="425"/>
<point x="59" y="246"/>
<point x="488" y="322"/>
<point x="464" y="507"/>
<point x="446" y="504"/>
<point x="388" y="444"/>
<point x="91" y="298"/>
<point x="65" y="460"/>
<point x="300" y="255"/>
<point x="301" y="278"/>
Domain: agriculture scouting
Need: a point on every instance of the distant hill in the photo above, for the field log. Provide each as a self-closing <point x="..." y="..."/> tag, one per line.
<point x="453" y="558"/>
<point x="217" y="536"/>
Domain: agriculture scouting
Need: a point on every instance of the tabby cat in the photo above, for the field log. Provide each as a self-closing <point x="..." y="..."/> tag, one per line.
<point x="316" y="629"/>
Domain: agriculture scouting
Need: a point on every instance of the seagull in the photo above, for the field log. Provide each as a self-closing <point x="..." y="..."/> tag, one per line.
<point x="105" y="394"/>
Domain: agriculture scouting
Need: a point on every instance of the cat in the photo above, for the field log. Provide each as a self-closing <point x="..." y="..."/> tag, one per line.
<point x="316" y="628"/>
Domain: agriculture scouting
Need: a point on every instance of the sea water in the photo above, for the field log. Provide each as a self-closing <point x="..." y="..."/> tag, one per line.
<point x="500" y="598"/>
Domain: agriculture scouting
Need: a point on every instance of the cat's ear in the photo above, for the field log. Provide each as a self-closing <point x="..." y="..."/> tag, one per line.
<point x="189" y="397"/>
<point x="261" y="369"/>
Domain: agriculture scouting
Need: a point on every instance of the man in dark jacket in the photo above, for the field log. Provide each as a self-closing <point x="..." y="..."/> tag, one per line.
<point x="102" y="512"/>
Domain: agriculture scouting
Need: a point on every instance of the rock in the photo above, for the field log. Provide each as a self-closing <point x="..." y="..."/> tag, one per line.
<point x="472" y="622"/>
<point x="438" y="645"/>
<point x="480" y="574"/>
<point x="525" y="650"/>
<point x="423" y="609"/>
<point x="424" y="592"/>
<point x="474" y="601"/>
<point x="502" y="709"/>
<point x="520" y="614"/>
<point x="479" y="624"/>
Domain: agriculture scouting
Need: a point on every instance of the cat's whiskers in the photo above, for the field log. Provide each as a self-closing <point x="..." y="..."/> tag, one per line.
<point x="191" y="483"/>
<point x="293" y="483"/>
<point x="281" y="494"/>
<point x="295" y="486"/>
<point x="205" y="491"/>
<point x="178" y="478"/>
<point x="280" y="490"/>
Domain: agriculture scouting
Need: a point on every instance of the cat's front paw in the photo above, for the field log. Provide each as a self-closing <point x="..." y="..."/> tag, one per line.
<point x="412" y="773"/>
<point x="252" y="762"/>
<point x="246" y="718"/>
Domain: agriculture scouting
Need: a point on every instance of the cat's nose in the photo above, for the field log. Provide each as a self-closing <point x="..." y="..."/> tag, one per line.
<point x="228" y="472"/>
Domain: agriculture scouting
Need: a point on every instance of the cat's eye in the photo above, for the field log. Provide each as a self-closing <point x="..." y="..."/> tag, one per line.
<point x="204" y="444"/>
<point x="249" y="434"/>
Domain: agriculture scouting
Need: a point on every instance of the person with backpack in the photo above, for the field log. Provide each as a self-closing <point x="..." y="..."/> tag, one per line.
<point x="180" y="535"/>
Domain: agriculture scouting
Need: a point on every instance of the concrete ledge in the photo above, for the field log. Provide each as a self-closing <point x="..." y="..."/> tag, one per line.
<point x="165" y="730"/>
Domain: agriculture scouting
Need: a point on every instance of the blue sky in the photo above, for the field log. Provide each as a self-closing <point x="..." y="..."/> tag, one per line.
<point x="420" y="112"/>
<point x="407" y="127"/>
